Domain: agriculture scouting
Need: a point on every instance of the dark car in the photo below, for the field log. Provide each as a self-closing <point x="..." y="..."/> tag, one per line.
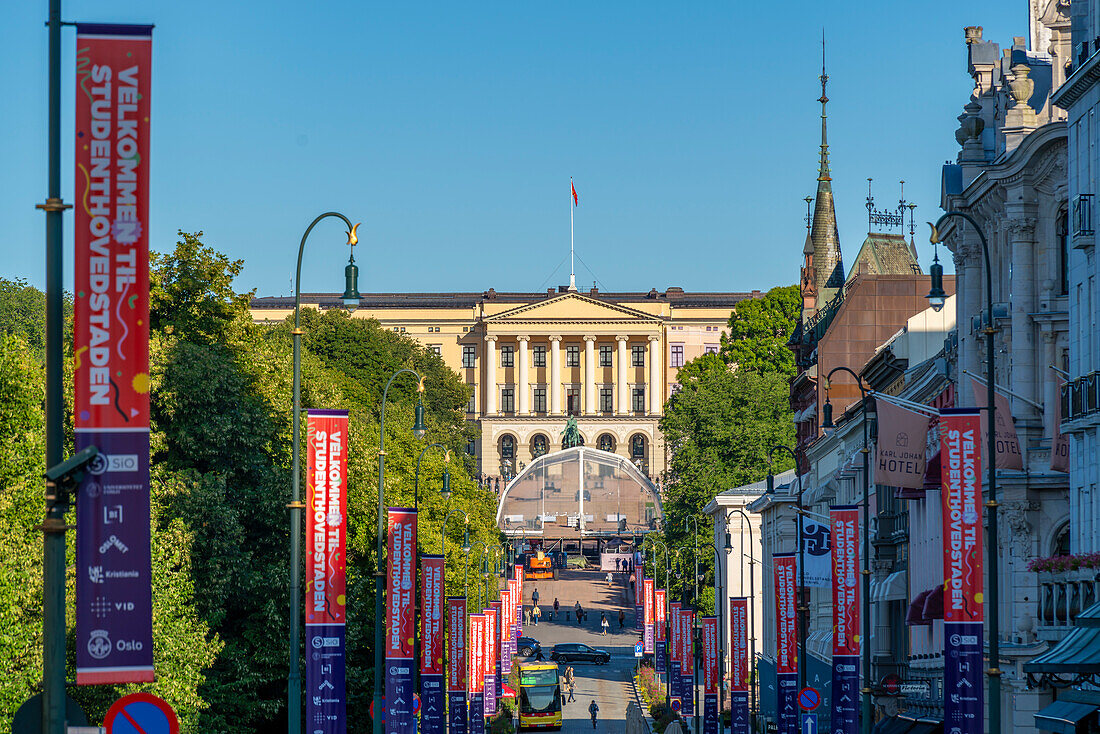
<point x="528" y="646"/>
<point x="575" y="652"/>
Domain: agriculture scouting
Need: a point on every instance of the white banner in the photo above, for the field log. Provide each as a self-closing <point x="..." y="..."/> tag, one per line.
<point x="815" y="549"/>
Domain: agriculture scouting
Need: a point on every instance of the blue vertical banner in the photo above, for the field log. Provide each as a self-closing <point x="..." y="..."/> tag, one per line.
<point x="963" y="614"/>
<point x="400" y="626"/>
<point x="326" y="564"/>
<point x="786" y="639"/>
<point x="456" y="664"/>
<point x="114" y="608"/>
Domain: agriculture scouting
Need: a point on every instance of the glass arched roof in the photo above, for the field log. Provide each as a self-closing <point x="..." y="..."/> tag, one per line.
<point x="580" y="491"/>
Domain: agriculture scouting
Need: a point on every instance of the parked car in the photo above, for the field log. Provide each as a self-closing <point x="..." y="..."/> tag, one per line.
<point x="575" y="652"/>
<point x="528" y="646"/>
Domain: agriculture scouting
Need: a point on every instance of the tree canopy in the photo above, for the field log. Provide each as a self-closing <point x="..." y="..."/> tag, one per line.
<point x="221" y="430"/>
<point x="759" y="329"/>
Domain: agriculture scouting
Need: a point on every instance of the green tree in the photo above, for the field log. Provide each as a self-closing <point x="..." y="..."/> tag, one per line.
<point x="759" y="329"/>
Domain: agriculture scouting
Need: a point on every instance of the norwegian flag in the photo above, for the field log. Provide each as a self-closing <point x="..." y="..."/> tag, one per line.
<point x="574" y="190"/>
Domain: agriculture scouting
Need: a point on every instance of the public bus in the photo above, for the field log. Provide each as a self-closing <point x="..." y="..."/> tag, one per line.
<point x="539" y="696"/>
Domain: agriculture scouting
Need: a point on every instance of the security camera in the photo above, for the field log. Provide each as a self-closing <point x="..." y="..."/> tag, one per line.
<point x="73" y="467"/>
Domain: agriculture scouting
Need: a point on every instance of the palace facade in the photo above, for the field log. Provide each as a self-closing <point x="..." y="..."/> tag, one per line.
<point x="533" y="359"/>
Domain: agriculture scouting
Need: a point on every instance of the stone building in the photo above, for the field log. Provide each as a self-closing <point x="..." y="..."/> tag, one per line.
<point x="533" y="359"/>
<point x="1010" y="176"/>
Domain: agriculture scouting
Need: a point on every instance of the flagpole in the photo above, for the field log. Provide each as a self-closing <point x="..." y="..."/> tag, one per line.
<point x="572" y="271"/>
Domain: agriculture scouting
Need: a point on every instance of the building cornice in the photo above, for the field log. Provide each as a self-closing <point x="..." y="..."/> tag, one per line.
<point x="1079" y="82"/>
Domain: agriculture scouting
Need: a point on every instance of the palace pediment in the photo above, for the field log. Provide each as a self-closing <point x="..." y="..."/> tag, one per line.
<point x="572" y="308"/>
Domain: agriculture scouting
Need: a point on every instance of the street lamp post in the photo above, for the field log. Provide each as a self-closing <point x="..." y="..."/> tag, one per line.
<point x="296" y="506"/>
<point x="484" y="551"/>
<point x="752" y="608"/>
<point x="668" y="663"/>
<point x="865" y="639"/>
<point x="803" y="607"/>
<point x="720" y="607"/>
<point x="443" y="534"/>
<point x="380" y="575"/>
<point x="936" y="299"/>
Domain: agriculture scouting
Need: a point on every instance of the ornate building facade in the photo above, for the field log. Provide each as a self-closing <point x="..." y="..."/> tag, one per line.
<point x="533" y="359"/>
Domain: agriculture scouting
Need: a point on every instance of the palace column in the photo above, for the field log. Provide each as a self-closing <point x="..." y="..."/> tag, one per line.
<point x="656" y="401"/>
<point x="521" y="379"/>
<point x="490" y="375"/>
<point x="589" y="375"/>
<point x="555" y="375"/>
<point x="622" y="399"/>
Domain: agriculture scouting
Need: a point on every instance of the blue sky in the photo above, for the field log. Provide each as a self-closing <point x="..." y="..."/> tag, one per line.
<point x="451" y="130"/>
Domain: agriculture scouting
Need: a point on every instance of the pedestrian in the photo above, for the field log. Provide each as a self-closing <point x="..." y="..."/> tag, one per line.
<point x="535" y="596"/>
<point x="622" y="618"/>
<point x="569" y="675"/>
<point x="608" y="579"/>
<point x="526" y="615"/>
<point x="572" y="687"/>
<point x="535" y="614"/>
<point x="555" y="605"/>
<point x="593" y="709"/>
<point x="618" y="563"/>
<point x="604" y="624"/>
<point x="539" y="656"/>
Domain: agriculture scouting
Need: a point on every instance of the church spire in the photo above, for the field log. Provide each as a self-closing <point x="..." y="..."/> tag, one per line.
<point x="827" y="262"/>
<point x="823" y="166"/>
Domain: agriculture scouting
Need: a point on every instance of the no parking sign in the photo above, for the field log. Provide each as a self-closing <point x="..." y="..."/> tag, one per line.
<point x="141" y="713"/>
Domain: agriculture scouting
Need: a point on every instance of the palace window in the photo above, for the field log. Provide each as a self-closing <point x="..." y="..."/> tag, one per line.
<point x="572" y="401"/>
<point x="436" y="349"/>
<point x="468" y="355"/>
<point x="676" y="356"/>
<point x="572" y="356"/>
<point x="538" y="355"/>
<point x="539" y="400"/>
<point x="471" y="404"/>
<point x="606" y="442"/>
<point x="605" y="355"/>
<point x="637" y="447"/>
<point x="507" y="400"/>
<point x="638" y="399"/>
<point x="507" y="447"/>
<point x="711" y="349"/>
<point x="539" y="445"/>
<point x="637" y="355"/>
<point x="606" y="401"/>
<point x="507" y="355"/>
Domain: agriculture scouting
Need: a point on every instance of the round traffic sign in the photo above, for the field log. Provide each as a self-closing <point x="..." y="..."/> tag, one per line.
<point x="675" y="705"/>
<point x="809" y="699"/>
<point x="141" y="713"/>
<point x="416" y="703"/>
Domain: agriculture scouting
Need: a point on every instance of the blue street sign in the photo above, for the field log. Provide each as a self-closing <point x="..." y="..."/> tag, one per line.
<point x="637" y="649"/>
<point x="676" y="705"/>
<point x="809" y="699"/>
<point x="809" y="723"/>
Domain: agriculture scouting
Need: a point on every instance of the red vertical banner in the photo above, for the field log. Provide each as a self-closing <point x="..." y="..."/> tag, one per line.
<point x="844" y="541"/>
<point x="739" y="665"/>
<point x="475" y="671"/>
<point x="963" y="614"/>
<point x="786" y="642"/>
<point x="659" y="613"/>
<point x="489" y="660"/>
<point x="400" y="626"/>
<point x="114" y="618"/>
<point x="648" y="638"/>
<point x="710" y="654"/>
<point x="326" y="567"/>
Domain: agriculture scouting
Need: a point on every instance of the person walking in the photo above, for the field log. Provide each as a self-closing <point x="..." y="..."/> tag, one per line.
<point x="526" y="616"/>
<point x="604" y="624"/>
<point x="608" y="578"/>
<point x="555" y="606"/>
<point x="535" y="614"/>
<point x="580" y="613"/>
<point x="622" y="618"/>
<point x="535" y="596"/>
<point x="593" y="709"/>
<point x="571" y="686"/>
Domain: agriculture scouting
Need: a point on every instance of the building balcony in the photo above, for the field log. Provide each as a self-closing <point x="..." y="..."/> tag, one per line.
<point x="1062" y="596"/>
<point x="1082" y="235"/>
<point x="1081" y="397"/>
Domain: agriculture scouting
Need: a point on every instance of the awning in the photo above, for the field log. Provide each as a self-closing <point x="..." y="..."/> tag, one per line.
<point x="915" y="615"/>
<point x="1062" y="717"/>
<point x="1089" y="618"/>
<point x="933" y="605"/>
<point x="1078" y="653"/>
<point x="894" y="725"/>
<point x="892" y="588"/>
<point x="926" y="726"/>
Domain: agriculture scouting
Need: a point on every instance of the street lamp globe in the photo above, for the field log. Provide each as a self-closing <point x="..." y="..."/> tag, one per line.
<point x="937" y="297"/>
<point x="351" y="289"/>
